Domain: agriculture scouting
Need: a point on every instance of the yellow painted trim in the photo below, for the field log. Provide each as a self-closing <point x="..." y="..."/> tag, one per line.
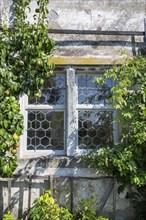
<point x="85" y="61"/>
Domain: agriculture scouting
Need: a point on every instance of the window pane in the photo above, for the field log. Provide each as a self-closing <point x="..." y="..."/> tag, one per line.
<point x="45" y="130"/>
<point x="95" y="129"/>
<point x="89" y="93"/>
<point x="53" y="92"/>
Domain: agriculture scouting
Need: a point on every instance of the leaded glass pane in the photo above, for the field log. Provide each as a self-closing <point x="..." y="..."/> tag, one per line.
<point x="89" y="93"/>
<point x="53" y="92"/>
<point x="95" y="129"/>
<point x="45" y="130"/>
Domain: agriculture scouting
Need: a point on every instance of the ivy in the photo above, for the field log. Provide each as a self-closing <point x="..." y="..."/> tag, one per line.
<point x="24" y="65"/>
<point x="127" y="159"/>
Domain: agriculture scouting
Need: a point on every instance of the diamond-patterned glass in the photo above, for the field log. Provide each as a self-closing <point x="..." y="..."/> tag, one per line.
<point x="53" y="92"/>
<point x="95" y="129"/>
<point x="89" y="93"/>
<point x="45" y="130"/>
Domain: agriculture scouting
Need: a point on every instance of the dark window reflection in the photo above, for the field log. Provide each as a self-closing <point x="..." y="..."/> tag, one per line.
<point x="45" y="130"/>
<point x="53" y="92"/>
<point x="95" y="129"/>
<point x="89" y="93"/>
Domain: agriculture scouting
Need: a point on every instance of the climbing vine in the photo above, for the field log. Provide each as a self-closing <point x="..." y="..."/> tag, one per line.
<point x="24" y="65"/>
<point x="126" y="159"/>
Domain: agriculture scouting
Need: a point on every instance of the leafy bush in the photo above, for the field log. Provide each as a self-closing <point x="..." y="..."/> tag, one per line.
<point x="11" y="125"/>
<point x="45" y="208"/>
<point x="101" y="218"/>
<point x="86" y="210"/>
<point x="126" y="159"/>
<point x="138" y="200"/>
<point x="8" y="216"/>
<point x="24" y="54"/>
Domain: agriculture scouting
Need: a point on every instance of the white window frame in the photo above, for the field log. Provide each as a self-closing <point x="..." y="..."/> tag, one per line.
<point x="70" y="109"/>
<point x="74" y="107"/>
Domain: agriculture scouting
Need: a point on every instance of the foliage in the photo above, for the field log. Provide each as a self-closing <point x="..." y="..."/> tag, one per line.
<point x="127" y="159"/>
<point x="138" y="200"/>
<point x="8" y="216"/>
<point x="101" y="218"/>
<point x="11" y="125"/>
<point x="86" y="210"/>
<point x="24" y="54"/>
<point x="45" y="208"/>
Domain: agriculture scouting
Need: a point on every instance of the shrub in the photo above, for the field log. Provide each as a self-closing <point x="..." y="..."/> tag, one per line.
<point x="45" y="208"/>
<point x="86" y="210"/>
<point x="101" y="218"/>
<point x="24" y="66"/>
<point x="8" y="216"/>
<point x="126" y="159"/>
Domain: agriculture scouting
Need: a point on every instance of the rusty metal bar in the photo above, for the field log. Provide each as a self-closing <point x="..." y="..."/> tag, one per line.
<point x="51" y="185"/>
<point x="71" y="194"/>
<point x="15" y="176"/>
<point x="114" y="199"/>
<point x="96" y="32"/>
<point x="92" y="32"/>
<point x="29" y="192"/>
<point x="9" y="193"/>
<point x="105" y="199"/>
<point x="145" y="30"/>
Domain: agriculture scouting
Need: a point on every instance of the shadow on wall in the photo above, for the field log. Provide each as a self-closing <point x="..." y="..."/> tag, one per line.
<point x="136" y="46"/>
<point x="18" y="193"/>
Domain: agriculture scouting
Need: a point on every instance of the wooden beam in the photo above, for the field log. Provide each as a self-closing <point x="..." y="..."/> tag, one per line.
<point x="85" y="61"/>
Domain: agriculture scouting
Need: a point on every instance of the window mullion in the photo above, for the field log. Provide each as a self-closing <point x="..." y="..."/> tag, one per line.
<point x="23" y="138"/>
<point x="72" y="121"/>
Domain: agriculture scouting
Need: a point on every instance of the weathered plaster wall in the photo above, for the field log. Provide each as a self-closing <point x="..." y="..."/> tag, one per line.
<point x="70" y="182"/>
<point x="97" y="15"/>
<point x="102" y="15"/>
<point x="83" y="15"/>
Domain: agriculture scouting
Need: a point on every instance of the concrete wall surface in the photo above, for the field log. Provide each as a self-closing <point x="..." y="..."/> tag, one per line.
<point x="97" y="15"/>
<point x="32" y="176"/>
<point x="104" y="15"/>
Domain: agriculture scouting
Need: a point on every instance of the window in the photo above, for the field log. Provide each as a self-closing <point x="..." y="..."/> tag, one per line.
<point x="94" y="120"/>
<point x="71" y="116"/>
